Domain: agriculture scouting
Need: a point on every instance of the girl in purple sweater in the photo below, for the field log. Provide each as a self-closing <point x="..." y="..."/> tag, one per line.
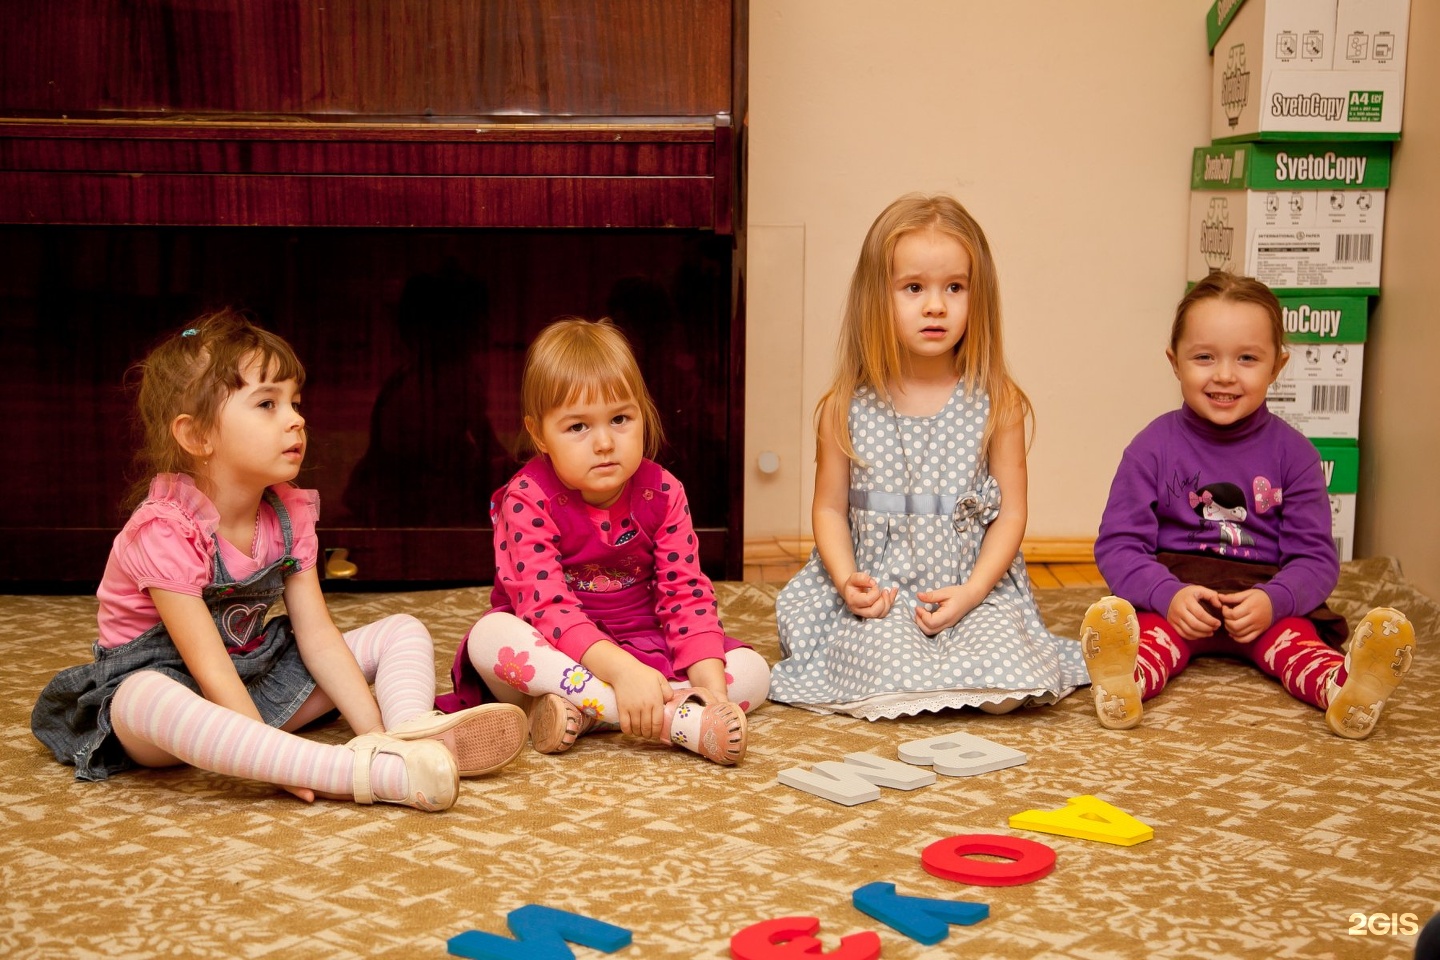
<point x="1218" y="531"/>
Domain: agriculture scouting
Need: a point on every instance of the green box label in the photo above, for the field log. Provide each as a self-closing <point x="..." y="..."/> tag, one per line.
<point x="1325" y="319"/>
<point x="1341" y="463"/>
<point x="1365" y="106"/>
<point x="1358" y="165"/>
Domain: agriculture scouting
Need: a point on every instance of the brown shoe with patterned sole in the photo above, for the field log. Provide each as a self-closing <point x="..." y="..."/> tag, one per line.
<point x="1381" y="651"/>
<point x="556" y="723"/>
<point x="699" y="722"/>
<point x="1110" y="642"/>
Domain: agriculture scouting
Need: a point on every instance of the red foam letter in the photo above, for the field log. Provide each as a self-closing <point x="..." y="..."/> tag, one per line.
<point x="949" y="859"/>
<point x="788" y="938"/>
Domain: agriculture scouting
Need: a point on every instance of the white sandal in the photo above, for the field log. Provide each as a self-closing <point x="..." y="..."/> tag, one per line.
<point x="430" y="768"/>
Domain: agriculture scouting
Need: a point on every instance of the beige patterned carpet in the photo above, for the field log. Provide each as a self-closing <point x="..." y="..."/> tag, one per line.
<point x="1272" y="837"/>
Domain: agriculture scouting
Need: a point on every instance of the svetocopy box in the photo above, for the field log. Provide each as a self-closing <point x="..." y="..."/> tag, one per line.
<point x="1297" y="216"/>
<point x="1341" y="462"/>
<point x="1294" y="69"/>
<point x="1318" y="392"/>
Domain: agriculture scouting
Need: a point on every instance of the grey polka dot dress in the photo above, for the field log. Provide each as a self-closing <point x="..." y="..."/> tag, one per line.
<point x="920" y="501"/>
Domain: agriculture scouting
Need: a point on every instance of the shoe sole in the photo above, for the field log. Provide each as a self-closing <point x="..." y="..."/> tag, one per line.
<point x="1110" y="643"/>
<point x="1381" y="651"/>
<point x="481" y="739"/>
<point x="550" y="724"/>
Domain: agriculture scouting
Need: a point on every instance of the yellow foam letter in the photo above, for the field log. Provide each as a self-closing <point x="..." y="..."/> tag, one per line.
<point x="1086" y="818"/>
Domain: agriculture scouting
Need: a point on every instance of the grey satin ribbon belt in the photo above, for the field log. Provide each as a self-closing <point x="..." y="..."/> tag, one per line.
<point x="904" y="503"/>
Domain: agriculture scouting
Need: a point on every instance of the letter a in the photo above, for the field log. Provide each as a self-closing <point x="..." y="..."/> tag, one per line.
<point x="1086" y="818"/>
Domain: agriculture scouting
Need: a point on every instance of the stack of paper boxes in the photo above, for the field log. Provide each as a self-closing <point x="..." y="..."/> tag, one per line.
<point x="1305" y="104"/>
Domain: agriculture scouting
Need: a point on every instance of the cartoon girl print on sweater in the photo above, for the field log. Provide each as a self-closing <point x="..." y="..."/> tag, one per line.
<point x="1223" y="505"/>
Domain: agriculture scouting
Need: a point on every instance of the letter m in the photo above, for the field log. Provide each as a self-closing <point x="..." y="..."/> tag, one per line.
<point x="541" y="934"/>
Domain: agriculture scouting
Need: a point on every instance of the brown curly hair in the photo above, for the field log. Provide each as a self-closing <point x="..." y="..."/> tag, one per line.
<point x="193" y="372"/>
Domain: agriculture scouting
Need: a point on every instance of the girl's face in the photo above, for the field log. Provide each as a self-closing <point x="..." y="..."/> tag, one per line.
<point x="259" y="435"/>
<point x="930" y="294"/>
<point x="1225" y="359"/>
<point x="595" y="445"/>
<point x="1213" y="511"/>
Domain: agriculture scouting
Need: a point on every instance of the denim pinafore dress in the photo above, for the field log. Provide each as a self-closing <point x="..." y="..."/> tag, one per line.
<point x="72" y="715"/>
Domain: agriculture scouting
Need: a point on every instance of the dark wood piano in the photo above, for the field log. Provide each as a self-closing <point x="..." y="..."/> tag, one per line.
<point x="405" y="189"/>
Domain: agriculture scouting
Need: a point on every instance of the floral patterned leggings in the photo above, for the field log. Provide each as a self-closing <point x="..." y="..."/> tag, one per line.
<point x="516" y="662"/>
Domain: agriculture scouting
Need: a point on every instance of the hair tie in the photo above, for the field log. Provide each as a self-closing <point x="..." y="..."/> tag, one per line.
<point x="190" y="332"/>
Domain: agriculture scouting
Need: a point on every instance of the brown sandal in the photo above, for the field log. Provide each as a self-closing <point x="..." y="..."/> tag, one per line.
<point x="556" y="723"/>
<point x="722" y="728"/>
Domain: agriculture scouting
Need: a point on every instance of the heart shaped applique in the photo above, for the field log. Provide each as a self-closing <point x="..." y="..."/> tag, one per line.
<point x="240" y="622"/>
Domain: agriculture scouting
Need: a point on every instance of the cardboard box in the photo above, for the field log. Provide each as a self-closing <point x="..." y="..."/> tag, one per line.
<point x="1318" y="392"/>
<point x="1295" y="69"/>
<point x="1297" y="216"/>
<point x="1341" y="462"/>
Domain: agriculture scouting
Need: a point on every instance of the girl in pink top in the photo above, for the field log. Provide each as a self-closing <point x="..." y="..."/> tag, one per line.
<point x="600" y="615"/>
<point x="188" y="670"/>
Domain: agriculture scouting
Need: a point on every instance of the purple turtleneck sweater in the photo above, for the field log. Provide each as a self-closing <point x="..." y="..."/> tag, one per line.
<point x="1253" y="491"/>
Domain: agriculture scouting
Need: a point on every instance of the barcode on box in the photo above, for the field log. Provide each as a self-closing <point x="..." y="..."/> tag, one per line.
<point x="1330" y="398"/>
<point x="1354" y="247"/>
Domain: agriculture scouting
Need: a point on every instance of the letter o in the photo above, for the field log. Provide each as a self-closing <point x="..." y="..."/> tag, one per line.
<point x="1026" y="860"/>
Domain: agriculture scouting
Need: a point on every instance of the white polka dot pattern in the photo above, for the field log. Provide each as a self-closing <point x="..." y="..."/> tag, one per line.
<point x="836" y="662"/>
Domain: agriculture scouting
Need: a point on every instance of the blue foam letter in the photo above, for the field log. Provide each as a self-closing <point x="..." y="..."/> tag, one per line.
<point x="541" y="934"/>
<point x="919" y="918"/>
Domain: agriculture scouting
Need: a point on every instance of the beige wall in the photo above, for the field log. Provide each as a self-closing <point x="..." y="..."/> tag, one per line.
<point x="1067" y="130"/>
<point x="1399" y="501"/>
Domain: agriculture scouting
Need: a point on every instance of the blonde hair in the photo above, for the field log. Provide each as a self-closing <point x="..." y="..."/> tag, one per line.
<point x="869" y="353"/>
<point x="574" y="359"/>
<point x="193" y="372"/>
<point x="1232" y="288"/>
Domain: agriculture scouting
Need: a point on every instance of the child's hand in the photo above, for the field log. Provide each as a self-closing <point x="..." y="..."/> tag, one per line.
<point x="951" y="604"/>
<point x="640" y="695"/>
<point x="1194" y="612"/>
<point x="865" y="598"/>
<point x="1248" y="614"/>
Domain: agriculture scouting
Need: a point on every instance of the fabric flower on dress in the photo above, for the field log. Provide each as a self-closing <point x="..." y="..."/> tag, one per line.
<point x="512" y="668"/>
<point x="982" y="505"/>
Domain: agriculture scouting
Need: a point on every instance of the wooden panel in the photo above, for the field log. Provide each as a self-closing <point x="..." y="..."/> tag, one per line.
<point x="273" y="201"/>
<point x="431" y="58"/>
<point x="480" y="150"/>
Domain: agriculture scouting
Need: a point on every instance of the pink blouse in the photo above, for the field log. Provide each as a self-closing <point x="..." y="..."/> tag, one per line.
<point x="684" y="599"/>
<point x="169" y="543"/>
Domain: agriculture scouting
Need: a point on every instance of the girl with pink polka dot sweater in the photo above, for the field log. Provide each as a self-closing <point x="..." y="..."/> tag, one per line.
<point x="600" y="615"/>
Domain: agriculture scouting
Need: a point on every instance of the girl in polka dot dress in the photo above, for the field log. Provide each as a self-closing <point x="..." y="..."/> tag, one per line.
<point x="916" y="597"/>
<point x="600" y="616"/>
